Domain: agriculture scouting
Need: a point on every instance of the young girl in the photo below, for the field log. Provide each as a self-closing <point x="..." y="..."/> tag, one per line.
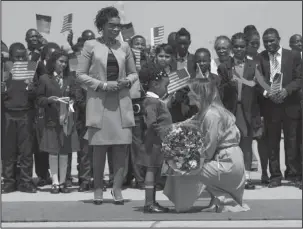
<point x="239" y="96"/>
<point x="202" y="60"/>
<point x="58" y="139"/>
<point x="156" y="117"/>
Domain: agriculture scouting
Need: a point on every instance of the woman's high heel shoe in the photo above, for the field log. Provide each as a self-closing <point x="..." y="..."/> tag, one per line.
<point x="117" y="202"/>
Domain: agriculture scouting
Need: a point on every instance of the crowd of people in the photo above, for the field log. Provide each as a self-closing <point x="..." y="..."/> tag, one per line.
<point x="108" y="85"/>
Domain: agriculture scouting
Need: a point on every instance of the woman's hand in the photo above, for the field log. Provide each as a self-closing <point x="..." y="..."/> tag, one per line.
<point x="124" y="83"/>
<point x="112" y="86"/>
<point x="52" y="99"/>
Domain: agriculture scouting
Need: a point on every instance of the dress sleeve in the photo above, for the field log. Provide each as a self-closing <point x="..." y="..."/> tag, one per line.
<point x="211" y="129"/>
<point x="84" y="64"/>
<point x="42" y="100"/>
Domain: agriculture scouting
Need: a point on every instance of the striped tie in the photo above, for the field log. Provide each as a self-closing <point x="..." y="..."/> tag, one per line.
<point x="274" y="66"/>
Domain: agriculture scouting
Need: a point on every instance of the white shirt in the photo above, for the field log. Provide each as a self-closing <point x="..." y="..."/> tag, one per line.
<point x="181" y="65"/>
<point x="214" y="64"/>
<point x="152" y="95"/>
<point x="279" y="59"/>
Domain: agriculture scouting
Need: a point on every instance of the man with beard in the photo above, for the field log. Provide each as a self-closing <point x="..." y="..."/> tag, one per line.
<point x="180" y="108"/>
<point x="281" y="108"/>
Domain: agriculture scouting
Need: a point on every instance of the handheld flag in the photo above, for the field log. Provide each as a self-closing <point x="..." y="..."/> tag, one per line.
<point x="137" y="54"/>
<point x="24" y="70"/>
<point x="127" y="31"/>
<point x="276" y="85"/>
<point x="157" y="35"/>
<point x="67" y="23"/>
<point x="43" y="23"/>
<point x="178" y="80"/>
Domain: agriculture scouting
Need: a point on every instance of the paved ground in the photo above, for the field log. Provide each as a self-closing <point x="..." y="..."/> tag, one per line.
<point x="284" y="194"/>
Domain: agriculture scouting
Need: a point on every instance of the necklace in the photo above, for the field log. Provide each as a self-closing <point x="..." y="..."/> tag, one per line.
<point x="110" y="42"/>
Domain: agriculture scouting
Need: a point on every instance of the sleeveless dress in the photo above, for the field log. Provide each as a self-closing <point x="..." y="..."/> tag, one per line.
<point x="112" y="132"/>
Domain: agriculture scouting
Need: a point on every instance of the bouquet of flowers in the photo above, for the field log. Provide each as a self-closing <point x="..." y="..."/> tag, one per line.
<point x="182" y="148"/>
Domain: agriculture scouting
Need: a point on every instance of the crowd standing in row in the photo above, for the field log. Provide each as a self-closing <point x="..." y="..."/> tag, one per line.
<point x="107" y="84"/>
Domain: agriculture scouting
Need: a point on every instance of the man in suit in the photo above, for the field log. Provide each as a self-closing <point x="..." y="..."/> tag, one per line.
<point x="282" y="107"/>
<point x="180" y="108"/>
<point x="296" y="43"/>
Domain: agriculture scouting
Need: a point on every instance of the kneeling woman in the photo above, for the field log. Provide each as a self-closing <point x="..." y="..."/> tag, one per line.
<point x="223" y="171"/>
<point x="59" y="137"/>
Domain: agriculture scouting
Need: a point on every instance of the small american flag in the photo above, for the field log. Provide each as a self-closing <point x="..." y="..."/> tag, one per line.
<point x="137" y="54"/>
<point x="67" y="23"/>
<point x="43" y="23"/>
<point x="178" y="80"/>
<point x="276" y="85"/>
<point x="157" y="35"/>
<point x="24" y="70"/>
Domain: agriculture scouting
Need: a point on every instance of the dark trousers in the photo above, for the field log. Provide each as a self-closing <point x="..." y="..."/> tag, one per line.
<point x="41" y="158"/>
<point x="118" y="153"/>
<point x="84" y="159"/>
<point x="246" y="147"/>
<point x="263" y="152"/>
<point x="18" y="142"/>
<point x="291" y="129"/>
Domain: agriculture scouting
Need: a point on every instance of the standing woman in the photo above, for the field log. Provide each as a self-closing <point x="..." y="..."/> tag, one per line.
<point x="106" y="67"/>
<point x="59" y="138"/>
<point x="240" y="96"/>
<point x="223" y="50"/>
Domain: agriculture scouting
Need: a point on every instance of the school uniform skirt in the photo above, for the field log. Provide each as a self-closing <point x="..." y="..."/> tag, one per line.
<point x="55" y="142"/>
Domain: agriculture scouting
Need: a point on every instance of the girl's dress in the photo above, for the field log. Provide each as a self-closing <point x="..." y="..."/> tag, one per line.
<point x="222" y="173"/>
<point x="57" y="137"/>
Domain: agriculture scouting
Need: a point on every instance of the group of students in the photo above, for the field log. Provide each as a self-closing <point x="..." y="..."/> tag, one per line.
<point x="31" y="112"/>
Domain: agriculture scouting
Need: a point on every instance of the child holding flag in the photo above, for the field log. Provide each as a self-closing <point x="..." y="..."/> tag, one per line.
<point x="18" y="104"/>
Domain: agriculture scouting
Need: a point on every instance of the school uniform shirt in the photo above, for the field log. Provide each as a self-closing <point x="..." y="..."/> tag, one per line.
<point x="181" y="62"/>
<point x="157" y="119"/>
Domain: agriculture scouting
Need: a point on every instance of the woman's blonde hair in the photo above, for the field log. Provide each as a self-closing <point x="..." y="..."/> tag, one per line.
<point x="206" y="92"/>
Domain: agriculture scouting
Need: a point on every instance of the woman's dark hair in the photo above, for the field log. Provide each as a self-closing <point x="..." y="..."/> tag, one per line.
<point x="248" y="35"/>
<point x="164" y="47"/>
<point x="104" y="15"/>
<point x="237" y="36"/>
<point x="221" y="37"/>
<point x="47" y="48"/>
<point x="249" y="28"/>
<point x="150" y="72"/>
<point x="51" y="63"/>
<point x="15" y="46"/>
<point x="183" y="32"/>
<point x="134" y="38"/>
<point x="205" y="50"/>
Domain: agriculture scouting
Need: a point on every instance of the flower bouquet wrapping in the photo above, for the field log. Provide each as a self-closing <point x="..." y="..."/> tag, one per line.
<point x="182" y="148"/>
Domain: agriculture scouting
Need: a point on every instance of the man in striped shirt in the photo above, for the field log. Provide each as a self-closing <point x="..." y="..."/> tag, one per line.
<point x="18" y="104"/>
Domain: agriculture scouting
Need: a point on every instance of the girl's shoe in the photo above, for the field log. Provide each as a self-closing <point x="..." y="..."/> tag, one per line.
<point x="117" y="202"/>
<point x="55" y="189"/>
<point x="155" y="208"/>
